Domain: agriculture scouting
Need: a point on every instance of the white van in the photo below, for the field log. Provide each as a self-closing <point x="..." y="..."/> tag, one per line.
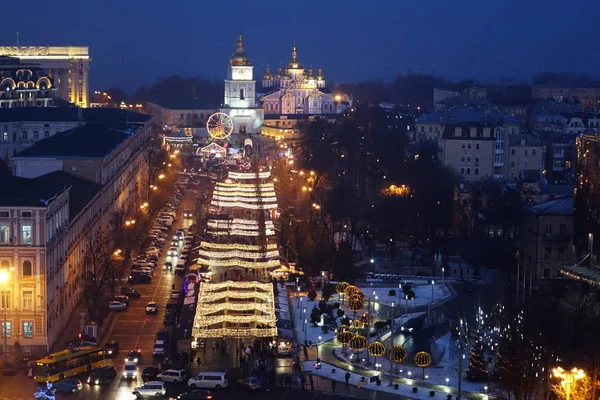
<point x="209" y="380"/>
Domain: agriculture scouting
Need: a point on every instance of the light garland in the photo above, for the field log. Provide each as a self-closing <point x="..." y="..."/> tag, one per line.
<point x="210" y="287"/>
<point x="247" y="193"/>
<point x="236" y="246"/>
<point x="234" y="333"/>
<point x="238" y="254"/>
<point x="249" y="175"/>
<point x="246" y="199"/>
<point x="250" y="187"/>
<point x="205" y="321"/>
<point x="216" y="296"/>
<point x="236" y="262"/>
<point x="224" y="225"/>
<point x="243" y="205"/>
<point x="207" y="309"/>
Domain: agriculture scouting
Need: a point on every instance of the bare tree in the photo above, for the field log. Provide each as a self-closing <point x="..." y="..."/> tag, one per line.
<point x="580" y="389"/>
<point x="101" y="269"/>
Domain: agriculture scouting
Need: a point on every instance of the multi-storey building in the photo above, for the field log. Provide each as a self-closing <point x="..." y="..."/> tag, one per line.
<point x="525" y="153"/>
<point x="586" y="93"/>
<point x="587" y="195"/>
<point x="546" y="238"/>
<point x="67" y="67"/>
<point x="20" y="128"/>
<point x="24" y="85"/>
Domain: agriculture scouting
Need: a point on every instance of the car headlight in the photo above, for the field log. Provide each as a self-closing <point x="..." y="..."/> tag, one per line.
<point x="110" y="352"/>
<point x="135" y="360"/>
<point x="97" y="381"/>
<point x="124" y="373"/>
<point x="134" y="373"/>
<point x="410" y="329"/>
<point x="402" y="328"/>
<point x="89" y="379"/>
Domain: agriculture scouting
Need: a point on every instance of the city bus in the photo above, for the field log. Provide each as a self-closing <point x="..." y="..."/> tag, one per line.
<point x="57" y="366"/>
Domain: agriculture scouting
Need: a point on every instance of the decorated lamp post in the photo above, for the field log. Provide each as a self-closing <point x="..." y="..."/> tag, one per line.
<point x="344" y="335"/>
<point x="340" y="289"/>
<point x="423" y="359"/>
<point x="392" y="346"/>
<point x="358" y="343"/>
<point x="568" y="377"/>
<point x="397" y="354"/>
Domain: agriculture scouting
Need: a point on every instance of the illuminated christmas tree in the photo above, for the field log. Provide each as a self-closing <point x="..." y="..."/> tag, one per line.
<point x="477" y="364"/>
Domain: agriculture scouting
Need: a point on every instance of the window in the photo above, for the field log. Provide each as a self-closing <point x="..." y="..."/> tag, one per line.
<point x="27" y="268"/>
<point x="5" y="137"/>
<point x="5" y="297"/>
<point x="477" y="159"/>
<point x="468" y="171"/>
<point x="526" y="152"/>
<point x="26" y="214"/>
<point x="561" y="253"/>
<point x="477" y="146"/>
<point x="24" y="135"/>
<point x="241" y="94"/>
<point x="526" y="162"/>
<point x="463" y="145"/>
<point x="533" y="152"/>
<point x="512" y="164"/>
<point x="26" y="237"/>
<point x="4" y="234"/>
<point x="462" y="159"/>
<point x="562" y="229"/>
<point x="547" y="253"/>
<point x="513" y="152"/>
<point x="46" y="134"/>
<point x="180" y="116"/>
<point x="430" y="129"/>
<point x="548" y="229"/>
<point x="28" y="329"/>
<point x="462" y="171"/>
<point x="476" y="171"/>
<point x="36" y="135"/>
<point x="6" y="329"/>
<point x="469" y="159"/>
<point x="469" y="145"/>
<point x="27" y="300"/>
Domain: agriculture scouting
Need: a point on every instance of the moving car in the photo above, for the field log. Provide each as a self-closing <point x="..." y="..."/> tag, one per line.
<point x="195" y="395"/>
<point x="187" y="214"/>
<point x="68" y="385"/>
<point x="133" y="356"/>
<point x="412" y="325"/>
<point x="168" y="266"/>
<point x="150" y="389"/>
<point x="152" y="308"/>
<point x="116" y="306"/>
<point x="173" y="375"/>
<point x="111" y="348"/>
<point x="250" y="383"/>
<point x="130" y="292"/>
<point x="209" y="380"/>
<point x="102" y="375"/>
<point x="150" y="373"/>
<point x="130" y="370"/>
<point x="172" y="252"/>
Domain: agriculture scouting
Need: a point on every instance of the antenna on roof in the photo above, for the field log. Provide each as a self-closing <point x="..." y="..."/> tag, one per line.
<point x="80" y="115"/>
<point x="17" y="38"/>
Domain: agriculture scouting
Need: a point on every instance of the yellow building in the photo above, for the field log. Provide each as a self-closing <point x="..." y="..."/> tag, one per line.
<point x="67" y="66"/>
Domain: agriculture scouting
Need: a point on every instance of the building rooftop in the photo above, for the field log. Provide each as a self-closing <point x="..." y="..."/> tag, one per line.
<point x="92" y="140"/>
<point x="558" y="206"/>
<point x="466" y="115"/>
<point x="53" y="114"/>
<point x="38" y="192"/>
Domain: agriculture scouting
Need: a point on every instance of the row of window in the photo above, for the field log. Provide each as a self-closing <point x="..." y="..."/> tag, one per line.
<point x="468" y="159"/>
<point x="191" y="116"/>
<point x="26" y="299"/>
<point x="548" y="253"/>
<point x="25" y="136"/>
<point x="468" y="145"/>
<point x="27" y="329"/>
<point x="468" y="171"/>
<point x="26" y="267"/>
<point x="26" y="235"/>
<point x="514" y="152"/>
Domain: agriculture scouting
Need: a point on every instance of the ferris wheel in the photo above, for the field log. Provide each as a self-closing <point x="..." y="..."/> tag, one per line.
<point x="219" y="126"/>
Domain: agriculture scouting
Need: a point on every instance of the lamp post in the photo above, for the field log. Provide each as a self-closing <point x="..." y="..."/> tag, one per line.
<point x="431" y="302"/>
<point x="4" y="276"/>
<point x="392" y="348"/>
<point x="298" y="296"/>
<point x="305" y="321"/>
<point x="318" y="343"/>
<point x="568" y="377"/>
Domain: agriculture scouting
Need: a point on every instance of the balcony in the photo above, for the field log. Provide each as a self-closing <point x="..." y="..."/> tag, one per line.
<point x="499" y="151"/>
<point x="498" y="163"/>
<point x="498" y="176"/>
<point x="559" y="154"/>
<point x="555" y="237"/>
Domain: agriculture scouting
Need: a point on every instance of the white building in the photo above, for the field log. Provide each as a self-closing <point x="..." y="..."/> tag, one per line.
<point x="240" y="93"/>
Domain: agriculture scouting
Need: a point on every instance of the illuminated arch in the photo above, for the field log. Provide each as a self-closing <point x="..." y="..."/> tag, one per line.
<point x="30" y="85"/>
<point x="44" y="83"/>
<point x="21" y="85"/>
<point x="7" y="83"/>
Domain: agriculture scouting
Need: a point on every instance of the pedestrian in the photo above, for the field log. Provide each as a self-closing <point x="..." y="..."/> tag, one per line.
<point x="173" y="286"/>
<point x="333" y="385"/>
<point x="225" y="274"/>
<point x="214" y="346"/>
<point x="159" y="367"/>
<point x="347" y="377"/>
<point x="198" y="361"/>
<point x="217" y="345"/>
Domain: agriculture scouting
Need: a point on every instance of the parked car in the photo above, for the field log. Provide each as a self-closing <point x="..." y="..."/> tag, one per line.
<point x="102" y="375"/>
<point x="195" y="395"/>
<point x="68" y="385"/>
<point x="133" y="356"/>
<point x="162" y="334"/>
<point x="116" y="306"/>
<point x="209" y="380"/>
<point x="121" y="299"/>
<point x="150" y="389"/>
<point x="160" y="348"/>
<point x="173" y="375"/>
<point x="152" y="308"/>
<point x="180" y="266"/>
<point x="169" y="318"/>
<point x="250" y="383"/>
<point x="175" y="294"/>
<point x="145" y="270"/>
<point x="139" y="278"/>
<point x="111" y="348"/>
<point x="150" y="373"/>
<point x="130" y="292"/>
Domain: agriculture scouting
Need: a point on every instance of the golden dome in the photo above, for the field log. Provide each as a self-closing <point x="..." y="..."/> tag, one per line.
<point x="310" y="74"/>
<point x="320" y="76"/>
<point x="239" y="58"/>
<point x="279" y="74"/>
<point x="294" y="62"/>
<point x="268" y="76"/>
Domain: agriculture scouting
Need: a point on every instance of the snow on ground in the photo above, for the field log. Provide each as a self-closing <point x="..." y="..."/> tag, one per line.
<point x="422" y="294"/>
<point x="405" y="386"/>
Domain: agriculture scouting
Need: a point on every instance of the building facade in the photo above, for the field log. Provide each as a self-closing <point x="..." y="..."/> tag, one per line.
<point x="67" y="66"/>
<point x="587" y="195"/>
<point x="588" y="94"/>
<point x="24" y="85"/>
<point x="547" y="238"/>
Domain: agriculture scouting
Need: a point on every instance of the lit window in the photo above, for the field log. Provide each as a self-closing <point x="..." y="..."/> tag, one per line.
<point x="6" y="329"/>
<point x="28" y="329"/>
<point x="5" y="296"/>
<point x="4" y="234"/>
<point x="26" y="237"/>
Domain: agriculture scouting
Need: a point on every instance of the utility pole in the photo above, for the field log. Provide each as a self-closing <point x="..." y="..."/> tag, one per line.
<point x="368" y="329"/>
<point x="392" y="349"/>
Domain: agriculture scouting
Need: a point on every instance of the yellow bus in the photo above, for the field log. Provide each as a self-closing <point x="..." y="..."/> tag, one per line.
<point x="57" y="366"/>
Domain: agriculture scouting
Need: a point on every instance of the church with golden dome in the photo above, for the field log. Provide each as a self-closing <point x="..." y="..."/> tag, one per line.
<point x="294" y="90"/>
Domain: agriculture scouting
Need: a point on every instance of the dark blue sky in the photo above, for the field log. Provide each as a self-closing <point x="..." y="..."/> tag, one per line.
<point x="132" y="42"/>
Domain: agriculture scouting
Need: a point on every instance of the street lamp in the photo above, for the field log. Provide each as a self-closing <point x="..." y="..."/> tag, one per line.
<point x="431" y="301"/>
<point x="298" y="296"/>
<point x="568" y="377"/>
<point x="4" y="276"/>
<point x="318" y="343"/>
<point x="392" y="348"/>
